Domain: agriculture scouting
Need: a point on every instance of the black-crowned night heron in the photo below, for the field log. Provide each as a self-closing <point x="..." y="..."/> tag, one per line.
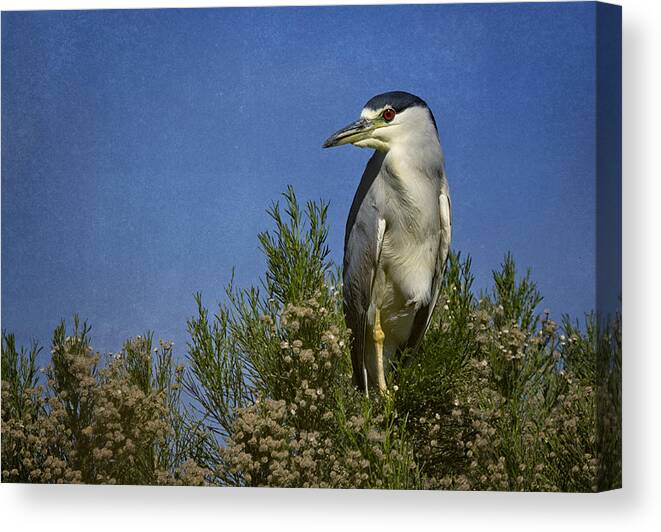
<point x="398" y="232"/>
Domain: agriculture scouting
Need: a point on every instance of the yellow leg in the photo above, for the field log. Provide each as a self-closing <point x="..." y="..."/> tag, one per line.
<point x="379" y="336"/>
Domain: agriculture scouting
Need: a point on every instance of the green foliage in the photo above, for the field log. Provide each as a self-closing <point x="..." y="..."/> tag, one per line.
<point x="513" y="404"/>
<point x="517" y="299"/>
<point x="116" y="422"/>
<point x="497" y="397"/>
<point x="20" y="378"/>
<point x="272" y="377"/>
<point x="296" y="252"/>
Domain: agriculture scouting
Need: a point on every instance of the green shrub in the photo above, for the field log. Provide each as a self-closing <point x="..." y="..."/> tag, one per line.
<point x="497" y="397"/>
<point x="116" y="423"/>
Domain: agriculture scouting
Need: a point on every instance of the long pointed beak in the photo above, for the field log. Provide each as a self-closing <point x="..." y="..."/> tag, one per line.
<point x="354" y="132"/>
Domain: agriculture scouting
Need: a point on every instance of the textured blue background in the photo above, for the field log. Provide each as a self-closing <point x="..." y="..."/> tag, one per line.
<point x="141" y="148"/>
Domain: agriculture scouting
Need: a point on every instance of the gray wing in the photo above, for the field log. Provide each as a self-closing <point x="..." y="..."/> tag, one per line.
<point x="423" y="317"/>
<point x="360" y="259"/>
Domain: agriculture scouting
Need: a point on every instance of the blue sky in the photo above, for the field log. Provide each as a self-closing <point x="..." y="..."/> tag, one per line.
<point x="140" y="149"/>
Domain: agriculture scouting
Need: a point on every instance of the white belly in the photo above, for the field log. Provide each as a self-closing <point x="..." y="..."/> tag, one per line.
<point x="402" y="284"/>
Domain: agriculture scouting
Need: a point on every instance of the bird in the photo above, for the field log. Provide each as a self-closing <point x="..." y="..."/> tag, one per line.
<point x="398" y="233"/>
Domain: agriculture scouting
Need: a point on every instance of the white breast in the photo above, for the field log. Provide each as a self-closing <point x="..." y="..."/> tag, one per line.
<point x="408" y="255"/>
<point x="412" y="236"/>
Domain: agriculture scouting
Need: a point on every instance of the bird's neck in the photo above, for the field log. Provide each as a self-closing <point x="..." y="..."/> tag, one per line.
<point x="412" y="181"/>
<point x="419" y="159"/>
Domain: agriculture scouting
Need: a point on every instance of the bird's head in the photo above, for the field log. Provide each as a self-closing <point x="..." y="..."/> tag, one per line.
<point x="388" y="120"/>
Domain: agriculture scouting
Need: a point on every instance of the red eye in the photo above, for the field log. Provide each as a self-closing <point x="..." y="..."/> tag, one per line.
<point x="388" y="115"/>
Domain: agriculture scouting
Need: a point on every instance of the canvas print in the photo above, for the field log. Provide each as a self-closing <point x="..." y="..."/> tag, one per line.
<point x="313" y="247"/>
